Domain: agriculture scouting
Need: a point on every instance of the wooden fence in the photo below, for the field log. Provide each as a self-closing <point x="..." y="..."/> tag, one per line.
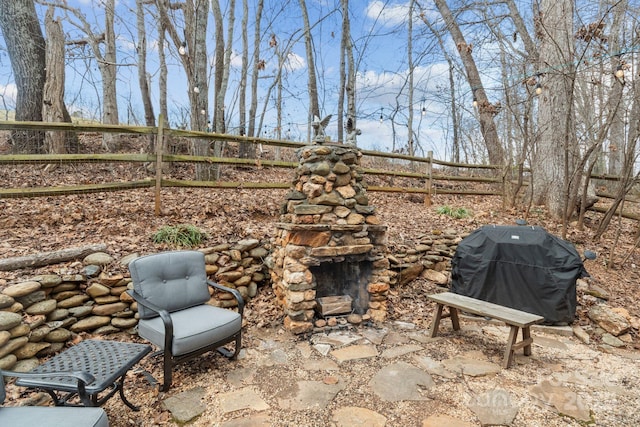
<point x="423" y="170"/>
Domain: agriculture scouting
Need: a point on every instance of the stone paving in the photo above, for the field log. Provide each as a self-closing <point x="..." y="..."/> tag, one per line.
<point x="407" y="373"/>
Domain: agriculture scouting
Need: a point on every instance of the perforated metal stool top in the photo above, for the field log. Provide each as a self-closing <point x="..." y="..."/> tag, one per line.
<point x="106" y="361"/>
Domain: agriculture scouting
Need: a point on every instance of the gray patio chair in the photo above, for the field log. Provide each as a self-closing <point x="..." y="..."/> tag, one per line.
<point x="171" y="289"/>
<point x="55" y="416"/>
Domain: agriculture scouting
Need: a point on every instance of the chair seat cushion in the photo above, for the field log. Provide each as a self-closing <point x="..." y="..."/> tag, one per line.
<point x="193" y="328"/>
<point x="29" y="416"/>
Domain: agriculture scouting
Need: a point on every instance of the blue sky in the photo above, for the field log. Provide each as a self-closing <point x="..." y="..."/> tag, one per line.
<point x="379" y="32"/>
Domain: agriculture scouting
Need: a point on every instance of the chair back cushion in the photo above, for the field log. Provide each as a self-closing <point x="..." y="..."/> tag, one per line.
<point x="171" y="280"/>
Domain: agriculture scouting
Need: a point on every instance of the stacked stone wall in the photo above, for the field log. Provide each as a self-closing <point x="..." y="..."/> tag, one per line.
<point x="40" y="315"/>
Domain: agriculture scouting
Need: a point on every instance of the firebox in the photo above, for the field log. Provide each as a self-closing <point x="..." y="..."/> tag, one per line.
<point x="329" y="243"/>
<point x="346" y="277"/>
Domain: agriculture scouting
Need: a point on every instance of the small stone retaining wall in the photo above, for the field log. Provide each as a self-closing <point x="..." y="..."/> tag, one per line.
<point x="40" y="315"/>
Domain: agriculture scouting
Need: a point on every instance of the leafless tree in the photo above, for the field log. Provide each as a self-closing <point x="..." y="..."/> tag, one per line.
<point x="312" y="82"/>
<point x="26" y="48"/>
<point x="486" y="110"/>
<point x="143" y="76"/>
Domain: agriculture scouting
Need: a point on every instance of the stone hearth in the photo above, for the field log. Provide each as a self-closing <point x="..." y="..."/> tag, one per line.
<point x="329" y="240"/>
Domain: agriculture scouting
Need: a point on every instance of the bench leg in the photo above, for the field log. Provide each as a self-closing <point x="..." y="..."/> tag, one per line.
<point x="526" y="338"/>
<point x="453" y="314"/>
<point x="455" y="320"/>
<point x="436" y="322"/>
<point x="508" y="353"/>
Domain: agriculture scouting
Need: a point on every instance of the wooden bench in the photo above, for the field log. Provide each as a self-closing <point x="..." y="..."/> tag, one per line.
<point x="515" y="318"/>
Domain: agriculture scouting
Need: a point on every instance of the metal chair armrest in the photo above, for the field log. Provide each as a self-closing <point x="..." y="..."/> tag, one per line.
<point x="84" y="379"/>
<point x="233" y="292"/>
<point x="164" y="315"/>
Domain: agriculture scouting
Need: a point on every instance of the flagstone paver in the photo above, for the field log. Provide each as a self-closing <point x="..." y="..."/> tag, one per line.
<point x="245" y="398"/>
<point x="309" y="395"/>
<point x="400" y="351"/>
<point x="350" y="416"/>
<point x="354" y="352"/>
<point x="563" y="399"/>
<point x="471" y="367"/>
<point x="187" y="405"/>
<point x="494" y="408"/>
<point x="401" y="381"/>
<point x="258" y="420"/>
<point x="444" y="421"/>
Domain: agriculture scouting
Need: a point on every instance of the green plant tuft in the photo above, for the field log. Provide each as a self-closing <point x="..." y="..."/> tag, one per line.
<point x="457" y="213"/>
<point x="180" y="236"/>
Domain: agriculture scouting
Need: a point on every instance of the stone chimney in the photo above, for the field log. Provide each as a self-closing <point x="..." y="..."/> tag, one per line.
<point x="330" y="245"/>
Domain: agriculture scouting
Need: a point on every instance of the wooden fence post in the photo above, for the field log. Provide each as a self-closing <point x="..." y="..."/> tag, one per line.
<point x="427" y="197"/>
<point x="159" y="153"/>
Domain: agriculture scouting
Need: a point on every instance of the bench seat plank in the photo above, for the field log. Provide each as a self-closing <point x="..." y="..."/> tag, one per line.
<point x="483" y="308"/>
<point x="516" y="319"/>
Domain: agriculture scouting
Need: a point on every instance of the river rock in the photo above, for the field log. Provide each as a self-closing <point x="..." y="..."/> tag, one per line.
<point x="58" y="314"/>
<point x="58" y="335"/>
<point x="124" y="323"/>
<point x="81" y="311"/>
<point x="12" y="345"/>
<point x="48" y="280"/>
<point x="108" y="309"/>
<point x="39" y="333"/>
<point x="32" y="298"/>
<point x="90" y="323"/>
<point x="609" y="320"/>
<point x="4" y="337"/>
<point x="21" y="289"/>
<point x="6" y="301"/>
<point x="42" y="307"/>
<point x="98" y="258"/>
<point x="20" y="331"/>
<point x="30" y="349"/>
<point x="74" y="301"/>
<point x="9" y="320"/>
<point x="8" y="361"/>
<point x="98" y="290"/>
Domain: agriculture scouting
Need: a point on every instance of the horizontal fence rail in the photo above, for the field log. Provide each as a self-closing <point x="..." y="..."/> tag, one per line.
<point x="429" y="183"/>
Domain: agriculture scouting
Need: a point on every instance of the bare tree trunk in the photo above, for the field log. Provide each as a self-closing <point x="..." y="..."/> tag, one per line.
<point x="222" y="60"/>
<point x="254" y="74"/>
<point x="617" y="131"/>
<point x="243" y="149"/>
<point x="343" y="67"/>
<point x="486" y="110"/>
<point x="192" y="49"/>
<point x="25" y="45"/>
<point x="53" y="99"/>
<point x="162" y="80"/>
<point x="312" y="82"/>
<point x="106" y="59"/>
<point x="410" y="149"/>
<point x="196" y="17"/>
<point x="143" y="76"/>
<point x="351" y="81"/>
<point x="556" y="142"/>
<point x="108" y="69"/>
<point x="454" y="113"/>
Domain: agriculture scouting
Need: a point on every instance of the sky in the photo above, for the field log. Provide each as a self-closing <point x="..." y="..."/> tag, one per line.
<point x="379" y="33"/>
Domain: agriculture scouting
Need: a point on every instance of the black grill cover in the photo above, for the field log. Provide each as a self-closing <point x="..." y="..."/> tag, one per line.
<point x="521" y="267"/>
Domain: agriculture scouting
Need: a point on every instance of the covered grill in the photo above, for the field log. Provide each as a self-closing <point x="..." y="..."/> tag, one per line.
<point x="521" y="267"/>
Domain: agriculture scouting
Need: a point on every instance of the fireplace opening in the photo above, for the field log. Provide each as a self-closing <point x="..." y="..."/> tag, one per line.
<point x="344" y="277"/>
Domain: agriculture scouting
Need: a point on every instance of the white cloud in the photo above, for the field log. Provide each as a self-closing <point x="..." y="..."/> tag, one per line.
<point x="295" y="62"/>
<point x="8" y="96"/>
<point x="236" y="60"/>
<point x="387" y="14"/>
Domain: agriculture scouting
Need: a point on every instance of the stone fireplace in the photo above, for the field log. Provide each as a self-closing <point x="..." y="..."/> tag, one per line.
<point x="330" y="245"/>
